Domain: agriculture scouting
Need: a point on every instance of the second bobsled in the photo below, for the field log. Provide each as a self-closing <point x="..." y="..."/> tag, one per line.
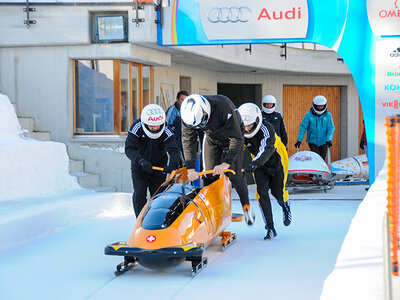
<point x="308" y="171"/>
<point x="177" y="224"/>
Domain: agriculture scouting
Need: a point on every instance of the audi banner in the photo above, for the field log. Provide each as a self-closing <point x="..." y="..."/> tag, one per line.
<point x="253" y="19"/>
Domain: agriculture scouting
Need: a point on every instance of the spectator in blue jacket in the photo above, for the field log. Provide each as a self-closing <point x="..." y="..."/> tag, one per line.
<point x="319" y="125"/>
<point x="173" y="116"/>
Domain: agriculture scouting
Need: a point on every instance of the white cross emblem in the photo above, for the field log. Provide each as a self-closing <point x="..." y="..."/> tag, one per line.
<point x="150" y="238"/>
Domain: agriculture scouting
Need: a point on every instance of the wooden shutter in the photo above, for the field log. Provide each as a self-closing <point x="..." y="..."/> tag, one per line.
<point x="297" y="101"/>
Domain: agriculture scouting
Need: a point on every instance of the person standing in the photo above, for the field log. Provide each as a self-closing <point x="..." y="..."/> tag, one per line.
<point x="149" y="143"/>
<point x="267" y="165"/>
<point x="173" y="115"/>
<point x="363" y="141"/>
<point x="318" y="124"/>
<point x="274" y="118"/>
<point x="223" y="129"/>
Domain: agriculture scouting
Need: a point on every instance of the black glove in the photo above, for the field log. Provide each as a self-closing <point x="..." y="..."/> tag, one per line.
<point x="168" y="169"/>
<point x="329" y="144"/>
<point x="146" y="166"/>
<point x="362" y="145"/>
<point x="297" y="145"/>
<point x="251" y="167"/>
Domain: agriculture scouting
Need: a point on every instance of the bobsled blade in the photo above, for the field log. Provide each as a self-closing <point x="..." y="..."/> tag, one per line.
<point x="227" y="238"/>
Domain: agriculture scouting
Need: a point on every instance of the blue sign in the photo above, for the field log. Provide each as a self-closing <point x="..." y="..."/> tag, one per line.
<point x="364" y="33"/>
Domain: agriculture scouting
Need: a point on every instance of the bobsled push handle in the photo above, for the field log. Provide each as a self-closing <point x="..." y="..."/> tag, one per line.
<point x="211" y="171"/>
<point x="162" y="169"/>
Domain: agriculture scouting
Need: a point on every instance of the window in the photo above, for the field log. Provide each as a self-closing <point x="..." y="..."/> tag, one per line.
<point x="109" y="95"/>
<point x="109" y="27"/>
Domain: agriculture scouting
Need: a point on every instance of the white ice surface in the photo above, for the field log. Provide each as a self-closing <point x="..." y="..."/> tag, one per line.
<point x="70" y="264"/>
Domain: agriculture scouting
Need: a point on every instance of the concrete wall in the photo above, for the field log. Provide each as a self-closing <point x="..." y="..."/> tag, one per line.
<point x="36" y="73"/>
<point x="67" y="24"/>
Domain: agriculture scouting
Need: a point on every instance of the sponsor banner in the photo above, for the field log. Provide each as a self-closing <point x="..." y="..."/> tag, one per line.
<point x="253" y="19"/>
<point x="387" y="89"/>
<point x="74" y="1"/>
<point x="384" y="16"/>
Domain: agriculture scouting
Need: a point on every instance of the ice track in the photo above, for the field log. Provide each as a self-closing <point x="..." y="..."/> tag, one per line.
<point x="70" y="264"/>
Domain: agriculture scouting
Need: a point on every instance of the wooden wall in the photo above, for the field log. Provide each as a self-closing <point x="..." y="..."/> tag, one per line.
<point x="297" y="101"/>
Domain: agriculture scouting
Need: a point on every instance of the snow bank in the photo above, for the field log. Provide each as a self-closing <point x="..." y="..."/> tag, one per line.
<point x="29" y="167"/>
<point x="10" y="129"/>
<point x="358" y="273"/>
<point x="26" y="219"/>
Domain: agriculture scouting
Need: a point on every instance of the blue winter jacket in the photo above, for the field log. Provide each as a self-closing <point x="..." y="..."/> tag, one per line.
<point x="320" y="128"/>
<point x="173" y="116"/>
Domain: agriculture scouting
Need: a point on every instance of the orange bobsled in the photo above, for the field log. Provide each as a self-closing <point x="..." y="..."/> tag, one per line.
<point x="177" y="224"/>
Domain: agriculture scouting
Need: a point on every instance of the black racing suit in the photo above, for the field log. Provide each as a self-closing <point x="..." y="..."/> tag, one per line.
<point x="139" y="146"/>
<point x="223" y="142"/>
<point x="269" y="173"/>
<point x="276" y="120"/>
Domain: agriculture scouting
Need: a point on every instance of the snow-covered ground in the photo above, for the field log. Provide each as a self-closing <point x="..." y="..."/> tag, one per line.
<point x="52" y="236"/>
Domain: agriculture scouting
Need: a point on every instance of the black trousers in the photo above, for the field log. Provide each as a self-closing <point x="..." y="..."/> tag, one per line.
<point x="269" y="180"/>
<point x="214" y="155"/>
<point x="321" y="150"/>
<point x="141" y="182"/>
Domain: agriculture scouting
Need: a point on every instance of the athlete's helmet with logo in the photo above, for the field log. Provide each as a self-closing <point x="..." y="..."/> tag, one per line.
<point x="251" y="114"/>
<point x="195" y="111"/>
<point x="319" y="101"/>
<point x="153" y="115"/>
<point x="268" y="99"/>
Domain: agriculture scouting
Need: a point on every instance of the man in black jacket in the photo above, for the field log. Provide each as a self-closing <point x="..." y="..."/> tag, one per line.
<point x="270" y="115"/>
<point x="266" y="165"/>
<point x="223" y="140"/>
<point x="147" y="145"/>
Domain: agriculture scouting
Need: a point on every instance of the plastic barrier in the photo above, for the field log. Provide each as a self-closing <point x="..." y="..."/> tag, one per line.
<point x="393" y="184"/>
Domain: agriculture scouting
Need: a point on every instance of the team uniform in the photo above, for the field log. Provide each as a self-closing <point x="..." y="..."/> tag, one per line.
<point x="276" y="120"/>
<point x="223" y="139"/>
<point x="270" y="173"/>
<point x="269" y="164"/>
<point x="145" y="152"/>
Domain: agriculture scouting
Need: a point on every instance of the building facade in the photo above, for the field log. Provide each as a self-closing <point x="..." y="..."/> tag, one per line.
<point x="84" y="71"/>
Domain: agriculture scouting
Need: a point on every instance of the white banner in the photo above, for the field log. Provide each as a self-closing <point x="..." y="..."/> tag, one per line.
<point x="253" y="19"/>
<point x="384" y="16"/>
<point x="387" y="91"/>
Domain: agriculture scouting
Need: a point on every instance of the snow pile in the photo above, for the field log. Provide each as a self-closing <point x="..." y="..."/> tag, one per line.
<point x="9" y="126"/>
<point x="358" y="273"/>
<point x="29" y="167"/>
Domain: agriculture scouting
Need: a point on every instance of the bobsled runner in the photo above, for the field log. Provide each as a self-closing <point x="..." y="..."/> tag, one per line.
<point x="308" y="171"/>
<point x="177" y="224"/>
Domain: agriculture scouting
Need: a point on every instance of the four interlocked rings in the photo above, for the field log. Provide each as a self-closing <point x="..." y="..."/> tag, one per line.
<point x="246" y="117"/>
<point x="154" y="111"/>
<point x="229" y="14"/>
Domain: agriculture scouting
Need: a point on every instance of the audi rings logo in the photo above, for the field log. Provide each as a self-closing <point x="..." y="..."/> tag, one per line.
<point x="246" y="118"/>
<point x="155" y="111"/>
<point x="229" y="14"/>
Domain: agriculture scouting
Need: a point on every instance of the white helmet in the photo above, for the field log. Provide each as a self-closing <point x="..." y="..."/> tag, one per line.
<point x="153" y="115"/>
<point x="268" y="99"/>
<point x="195" y="111"/>
<point x="251" y="114"/>
<point x="319" y="100"/>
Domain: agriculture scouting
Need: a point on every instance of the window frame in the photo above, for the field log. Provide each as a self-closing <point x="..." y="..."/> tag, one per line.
<point x="116" y="94"/>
